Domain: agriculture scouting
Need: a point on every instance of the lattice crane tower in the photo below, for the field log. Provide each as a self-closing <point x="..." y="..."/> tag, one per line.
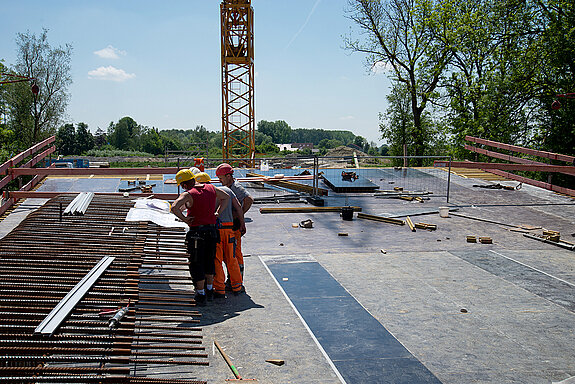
<point x="238" y="115"/>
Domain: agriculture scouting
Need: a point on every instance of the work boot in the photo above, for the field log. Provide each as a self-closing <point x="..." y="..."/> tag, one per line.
<point x="218" y="295"/>
<point x="209" y="294"/>
<point x="200" y="300"/>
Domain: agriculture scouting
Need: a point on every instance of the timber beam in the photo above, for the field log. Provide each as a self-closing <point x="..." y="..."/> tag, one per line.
<point x="305" y="209"/>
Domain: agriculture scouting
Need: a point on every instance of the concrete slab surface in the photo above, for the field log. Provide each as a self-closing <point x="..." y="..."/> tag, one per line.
<point x="388" y="305"/>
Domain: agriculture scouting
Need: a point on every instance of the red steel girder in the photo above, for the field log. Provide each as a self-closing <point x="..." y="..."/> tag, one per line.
<point x="567" y="169"/>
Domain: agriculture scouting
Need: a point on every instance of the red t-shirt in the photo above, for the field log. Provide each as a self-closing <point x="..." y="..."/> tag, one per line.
<point x="204" y="206"/>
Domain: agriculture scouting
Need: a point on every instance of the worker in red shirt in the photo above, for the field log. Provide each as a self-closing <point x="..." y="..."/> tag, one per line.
<point x="225" y="250"/>
<point x="202" y="237"/>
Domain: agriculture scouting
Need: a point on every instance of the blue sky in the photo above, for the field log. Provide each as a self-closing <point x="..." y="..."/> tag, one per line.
<point x="159" y="62"/>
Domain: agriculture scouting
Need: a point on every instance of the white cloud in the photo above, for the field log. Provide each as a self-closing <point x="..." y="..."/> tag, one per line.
<point x="349" y="117"/>
<point x="110" y="53"/>
<point x="380" y="67"/>
<point x="110" y="73"/>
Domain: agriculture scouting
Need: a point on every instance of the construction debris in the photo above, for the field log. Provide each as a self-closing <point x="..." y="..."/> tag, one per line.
<point x="429" y="227"/>
<point x="551" y="235"/>
<point x="482" y="239"/>
<point x="560" y="243"/>
<point x="276" y="362"/>
<point x="306" y="224"/>
<point x="500" y="186"/>
<point x="349" y="176"/>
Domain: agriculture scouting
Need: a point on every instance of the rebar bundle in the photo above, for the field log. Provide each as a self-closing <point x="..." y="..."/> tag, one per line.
<point x="124" y="324"/>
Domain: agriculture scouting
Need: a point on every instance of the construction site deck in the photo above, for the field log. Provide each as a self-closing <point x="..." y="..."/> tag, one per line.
<point x="478" y="294"/>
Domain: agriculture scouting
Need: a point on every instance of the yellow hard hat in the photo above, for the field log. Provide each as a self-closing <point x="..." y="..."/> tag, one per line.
<point x="203" y="177"/>
<point x="184" y="175"/>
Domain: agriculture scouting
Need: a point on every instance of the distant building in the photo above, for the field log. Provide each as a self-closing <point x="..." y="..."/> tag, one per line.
<point x="294" y="146"/>
<point x="285" y="147"/>
<point x="302" y="145"/>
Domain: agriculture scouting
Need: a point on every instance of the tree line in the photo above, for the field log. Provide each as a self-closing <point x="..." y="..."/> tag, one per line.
<point x="128" y="136"/>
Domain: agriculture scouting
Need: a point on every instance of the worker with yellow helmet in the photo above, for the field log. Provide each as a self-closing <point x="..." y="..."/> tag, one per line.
<point x="202" y="237"/>
<point x="225" y="249"/>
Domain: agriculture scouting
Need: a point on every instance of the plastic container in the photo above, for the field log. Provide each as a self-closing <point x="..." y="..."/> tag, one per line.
<point x="444" y="211"/>
<point x="347" y="213"/>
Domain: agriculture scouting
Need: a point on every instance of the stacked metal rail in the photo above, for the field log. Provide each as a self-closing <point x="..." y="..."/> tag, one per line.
<point x="48" y="254"/>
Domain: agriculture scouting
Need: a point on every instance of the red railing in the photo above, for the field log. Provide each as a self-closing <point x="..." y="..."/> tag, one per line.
<point x="9" y="165"/>
<point x="521" y="164"/>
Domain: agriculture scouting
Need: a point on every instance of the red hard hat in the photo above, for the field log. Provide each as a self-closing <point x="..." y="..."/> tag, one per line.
<point x="224" y="169"/>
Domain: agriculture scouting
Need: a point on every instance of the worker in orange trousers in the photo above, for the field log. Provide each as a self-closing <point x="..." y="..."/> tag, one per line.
<point x="225" y="249"/>
<point x="225" y="173"/>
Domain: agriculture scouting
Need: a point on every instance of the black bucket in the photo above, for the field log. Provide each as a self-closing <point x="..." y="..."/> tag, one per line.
<point x="347" y="213"/>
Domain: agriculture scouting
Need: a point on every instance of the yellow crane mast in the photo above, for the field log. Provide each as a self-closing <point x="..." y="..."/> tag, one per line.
<point x="238" y="105"/>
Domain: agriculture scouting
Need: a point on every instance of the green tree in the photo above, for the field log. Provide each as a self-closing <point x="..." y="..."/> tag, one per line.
<point x="84" y="138"/>
<point x="100" y="138"/>
<point x="411" y="38"/>
<point x="494" y="74"/>
<point x="396" y="125"/>
<point x="557" y="130"/>
<point x="329" y="144"/>
<point x="19" y="120"/>
<point x="152" y="142"/>
<point x="50" y="67"/>
<point x="360" y="141"/>
<point x="267" y="148"/>
<point x="279" y="131"/>
<point x="125" y="134"/>
<point x="66" y="140"/>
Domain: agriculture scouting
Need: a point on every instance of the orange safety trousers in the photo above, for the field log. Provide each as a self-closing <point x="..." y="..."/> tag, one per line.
<point x="238" y="251"/>
<point x="225" y="252"/>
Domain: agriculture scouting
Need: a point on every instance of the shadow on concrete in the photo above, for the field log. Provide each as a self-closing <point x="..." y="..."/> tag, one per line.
<point x="220" y="310"/>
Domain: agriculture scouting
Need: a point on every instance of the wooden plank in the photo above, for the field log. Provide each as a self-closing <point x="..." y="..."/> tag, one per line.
<point x="380" y="218"/>
<point x="305" y="209"/>
<point x="410" y="224"/>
